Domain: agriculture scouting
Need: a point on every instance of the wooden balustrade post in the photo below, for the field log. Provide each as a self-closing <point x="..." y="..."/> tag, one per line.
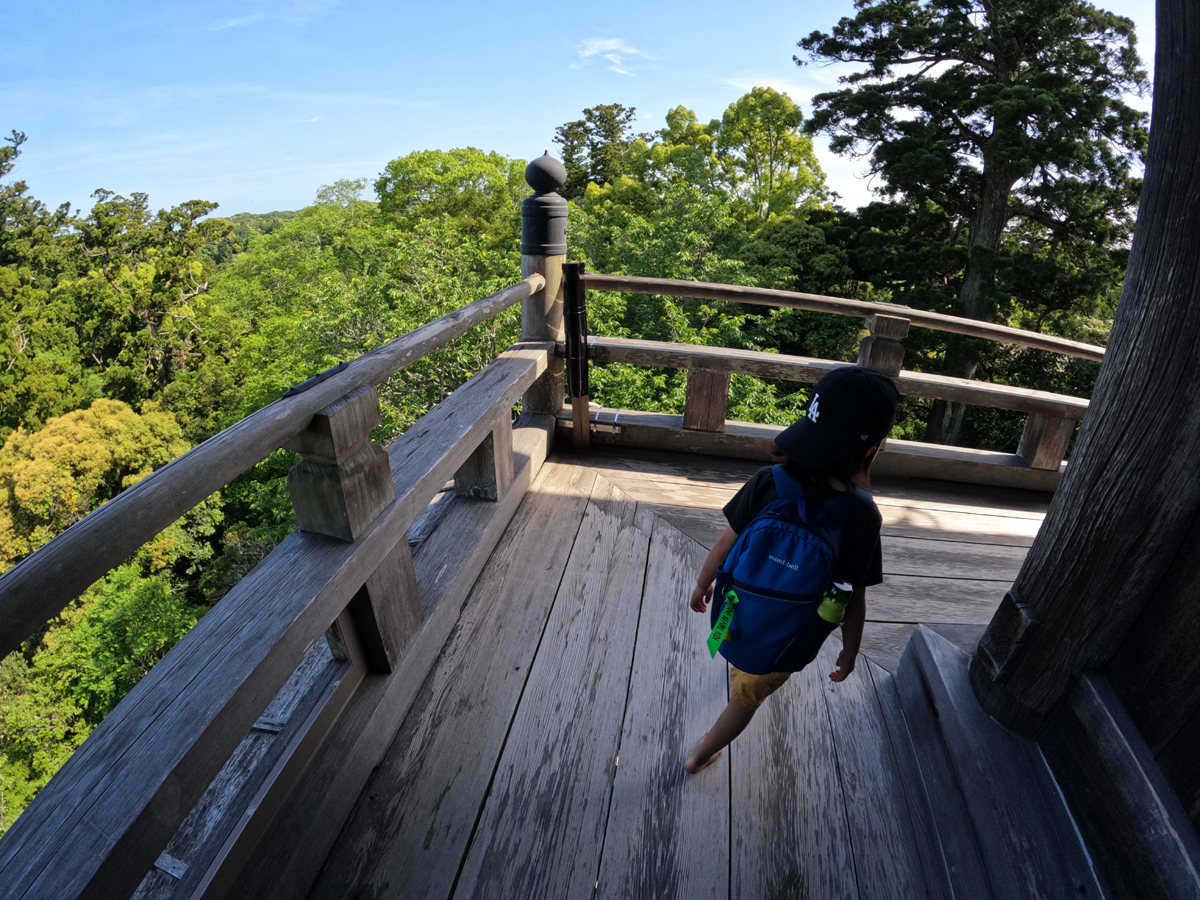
<point x="544" y="250"/>
<point x="342" y="483"/>
<point x="881" y="350"/>
<point x="707" y="401"/>
<point x="1045" y="440"/>
<point x="488" y="471"/>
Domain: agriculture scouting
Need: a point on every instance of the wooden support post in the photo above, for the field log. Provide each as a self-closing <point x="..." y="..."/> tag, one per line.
<point x="1045" y="440"/>
<point x="342" y="483"/>
<point x="881" y="350"/>
<point x="488" y="471"/>
<point x="707" y="403"/>
<point x="387" y="610"/>
<point x="575" y="314"/>
<point x="544" y="250"/>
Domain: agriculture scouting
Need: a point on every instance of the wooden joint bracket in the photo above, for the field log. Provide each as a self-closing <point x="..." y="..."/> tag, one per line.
<point x="343" y="481"/>
<point x="881" y="350"/>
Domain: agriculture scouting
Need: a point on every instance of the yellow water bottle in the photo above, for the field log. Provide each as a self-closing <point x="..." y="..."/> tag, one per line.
<point x="833" y="605"/>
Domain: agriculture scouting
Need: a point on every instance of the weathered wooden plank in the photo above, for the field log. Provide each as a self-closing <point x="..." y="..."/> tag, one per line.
<point x="920" y="808"/>
<point x="943" y="810"/>
<point x="951" y="559"/>
<point x="707" y="401"/>
<point x="116" y="803"/>
<point x="672" y="467"/>
<point x="910" y="598"/>
<point x="665" y="830"/>
<point x="884" y="642"/>
<point x="38" y="587"/>
<point x="702" y="526"/>
<point x="769" y="297"/>
<point x="952" y="497"/>
<point x="1141" y="840"/>
<point x="907" y="521"/>
<point x="1026" y="840"/>
<point x="886" y="858"/>
<point x="542" y="829"/>
<point x="210" y="822"/>
<point x="415" y="817"/>
<point x="789" y="828"/>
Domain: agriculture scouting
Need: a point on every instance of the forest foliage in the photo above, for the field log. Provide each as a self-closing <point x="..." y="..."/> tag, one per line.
<point x="129" y="335"/>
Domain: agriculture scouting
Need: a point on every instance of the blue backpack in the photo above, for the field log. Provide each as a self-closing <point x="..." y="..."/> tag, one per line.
<point x="775" y="577"/>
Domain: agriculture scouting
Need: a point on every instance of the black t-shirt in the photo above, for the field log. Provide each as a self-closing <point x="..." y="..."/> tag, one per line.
<point x="860" y="558"/>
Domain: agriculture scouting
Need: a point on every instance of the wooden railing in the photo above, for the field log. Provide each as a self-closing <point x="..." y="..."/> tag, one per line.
<point x="340" y="598"/>
<point x="309" y="663"/>
<point x="703" y="427"/>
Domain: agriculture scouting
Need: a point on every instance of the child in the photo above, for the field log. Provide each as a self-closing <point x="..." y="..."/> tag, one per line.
<point x="829" y="450"/>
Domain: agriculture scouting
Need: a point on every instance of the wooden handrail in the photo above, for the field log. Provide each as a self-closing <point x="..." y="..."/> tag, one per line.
<point x="38" y="587"/>
<point x="800" y="368"/>
<point x="102" y="820"/>
<point x="842" y="307"/>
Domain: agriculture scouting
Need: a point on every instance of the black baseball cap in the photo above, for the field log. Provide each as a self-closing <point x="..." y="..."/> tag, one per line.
<point x="851" y="407"/>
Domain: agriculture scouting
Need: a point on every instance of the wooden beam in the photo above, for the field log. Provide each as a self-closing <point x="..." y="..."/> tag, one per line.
<point x="747" y="440"/>
<point x="113" y="806"/>
<point x="799" y="368"/>
<point x="764" y="297"/>
<point x="37" y="588"/>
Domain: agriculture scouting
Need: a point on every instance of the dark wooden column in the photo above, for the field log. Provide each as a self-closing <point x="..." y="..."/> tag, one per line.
<point x="1110" y="548"/>
<point x="544" y="250"/>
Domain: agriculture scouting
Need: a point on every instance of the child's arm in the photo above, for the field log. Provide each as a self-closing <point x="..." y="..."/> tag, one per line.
<point x="852" y="629"/>
<point x="708" y="572"/>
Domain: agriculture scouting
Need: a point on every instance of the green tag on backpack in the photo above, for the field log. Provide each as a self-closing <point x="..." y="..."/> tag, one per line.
<point x="721" y="629"/>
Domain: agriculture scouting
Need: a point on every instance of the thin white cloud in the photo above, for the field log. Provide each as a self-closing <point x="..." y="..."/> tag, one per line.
<point x="615" y="51"/>
<point x="240" y="22"/>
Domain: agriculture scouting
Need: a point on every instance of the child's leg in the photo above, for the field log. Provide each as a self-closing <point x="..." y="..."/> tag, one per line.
<point x="732" y="722"/>
<point x="747" y="692"/>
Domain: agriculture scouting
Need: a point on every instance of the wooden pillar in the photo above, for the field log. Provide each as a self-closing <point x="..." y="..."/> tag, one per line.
<point x="342" y="483"/>
<point x="707" y="403"/>
<point x="575" y="314"/>
<point x="881" y="350"/>
<point x="544" y="250"/>
<point x="1045" y="440"/>
<point x="1112" y="542"/>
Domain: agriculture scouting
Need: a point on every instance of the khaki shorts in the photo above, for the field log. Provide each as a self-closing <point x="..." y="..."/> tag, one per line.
<point x="751" y="690"/>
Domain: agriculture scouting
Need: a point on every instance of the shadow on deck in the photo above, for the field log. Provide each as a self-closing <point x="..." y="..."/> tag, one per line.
<point x="542" y="757"/>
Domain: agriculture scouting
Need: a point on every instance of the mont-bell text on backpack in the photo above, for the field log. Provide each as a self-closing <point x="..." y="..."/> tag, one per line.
<point x="833" y="604"/>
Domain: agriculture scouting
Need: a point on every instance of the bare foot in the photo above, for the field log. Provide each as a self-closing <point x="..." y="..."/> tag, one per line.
<point x="691" y="765"/>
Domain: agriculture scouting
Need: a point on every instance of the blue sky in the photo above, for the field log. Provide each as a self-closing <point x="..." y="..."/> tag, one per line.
<point x="257" y="103"/>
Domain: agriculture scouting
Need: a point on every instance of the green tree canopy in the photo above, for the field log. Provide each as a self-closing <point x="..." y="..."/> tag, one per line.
<point x="767" y="162"/>
<point x="1004" y="117"/>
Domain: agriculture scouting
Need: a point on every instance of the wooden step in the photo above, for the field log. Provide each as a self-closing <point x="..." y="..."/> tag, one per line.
<point x="997" y="813"/>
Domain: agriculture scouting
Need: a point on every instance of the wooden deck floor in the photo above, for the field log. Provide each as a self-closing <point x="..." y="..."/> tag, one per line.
<point x="543" y="755"/>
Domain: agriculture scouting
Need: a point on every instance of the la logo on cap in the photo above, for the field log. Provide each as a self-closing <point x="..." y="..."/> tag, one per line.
<point x="813" y="411"/>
